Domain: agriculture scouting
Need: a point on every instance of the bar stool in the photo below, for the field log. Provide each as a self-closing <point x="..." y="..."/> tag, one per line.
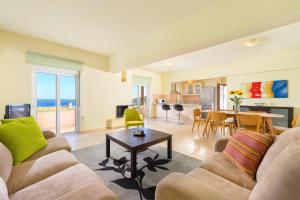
<point x="179" y="109"/>
<point x="166" y="107"/>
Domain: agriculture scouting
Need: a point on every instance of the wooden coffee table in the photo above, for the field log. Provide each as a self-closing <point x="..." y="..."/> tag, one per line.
<point x="135" y="144"/>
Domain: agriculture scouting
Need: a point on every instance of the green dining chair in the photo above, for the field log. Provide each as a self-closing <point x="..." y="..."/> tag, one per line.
<point x="133" y="118"/>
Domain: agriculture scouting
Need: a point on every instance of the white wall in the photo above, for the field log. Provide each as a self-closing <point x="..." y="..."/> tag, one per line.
<point x="292" y="75"/>
<point x="281" y="65"/>
<point x="102" y="91"/>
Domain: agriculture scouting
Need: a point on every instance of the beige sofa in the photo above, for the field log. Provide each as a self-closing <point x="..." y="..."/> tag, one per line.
<point x="52" y="173"/>
<point x="278" y="176"/>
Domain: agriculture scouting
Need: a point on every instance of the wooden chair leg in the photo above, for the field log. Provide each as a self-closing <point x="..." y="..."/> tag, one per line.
<point x="205" y="127"/>
<point x="199" y="125"/>
<point x="193" y="126"/>
<point x="209" y="129"/>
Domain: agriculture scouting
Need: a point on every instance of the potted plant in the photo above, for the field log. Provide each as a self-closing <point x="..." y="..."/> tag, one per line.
<point x="236" y="99"/>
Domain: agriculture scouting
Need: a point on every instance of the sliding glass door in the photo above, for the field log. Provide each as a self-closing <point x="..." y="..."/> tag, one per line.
<point x="140" y="98"/>
<point x="46" y="101"/>
<point x="56" y="100"/>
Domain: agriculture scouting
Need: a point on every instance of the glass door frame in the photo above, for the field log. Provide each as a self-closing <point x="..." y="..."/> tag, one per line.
<point x="148" y="96"/>
<point x="58" y="73"/>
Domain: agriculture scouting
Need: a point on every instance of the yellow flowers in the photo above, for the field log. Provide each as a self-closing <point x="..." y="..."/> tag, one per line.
<point x="238" y="92"/>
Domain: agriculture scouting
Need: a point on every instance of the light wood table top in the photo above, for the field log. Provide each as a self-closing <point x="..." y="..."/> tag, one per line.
<point x="265" y="115"/>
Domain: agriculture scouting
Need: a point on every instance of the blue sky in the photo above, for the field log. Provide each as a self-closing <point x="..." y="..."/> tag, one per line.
<point x="135" y="91"/>
<point x="46" y="86"/>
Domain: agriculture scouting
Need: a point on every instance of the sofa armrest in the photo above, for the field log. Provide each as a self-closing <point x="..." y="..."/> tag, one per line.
<point x="221" y="144"/>
<point x="178" y="186"/>
<point x="48" y="134"/>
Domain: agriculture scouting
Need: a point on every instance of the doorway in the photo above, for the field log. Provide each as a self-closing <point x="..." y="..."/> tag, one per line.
<point x="141" y="98"/>
<point x="56" y="99"/>
<point x="222" y="97"/>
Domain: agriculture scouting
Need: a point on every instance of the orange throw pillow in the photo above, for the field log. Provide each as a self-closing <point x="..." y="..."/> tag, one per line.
<point x="246" y="149"/>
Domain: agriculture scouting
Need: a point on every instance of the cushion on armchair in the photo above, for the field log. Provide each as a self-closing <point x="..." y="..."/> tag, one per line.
<point x="246" y="149"/>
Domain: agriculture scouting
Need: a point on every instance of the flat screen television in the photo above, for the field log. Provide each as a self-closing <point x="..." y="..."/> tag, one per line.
<point x="16" y="111"/>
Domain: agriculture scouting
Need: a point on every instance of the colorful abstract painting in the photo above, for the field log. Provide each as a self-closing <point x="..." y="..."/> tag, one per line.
<point x="267" y="89"/>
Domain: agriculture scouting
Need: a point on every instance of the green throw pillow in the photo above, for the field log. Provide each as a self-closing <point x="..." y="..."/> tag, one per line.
<point x="21" y="119"/>
<point x="22" y="136"/>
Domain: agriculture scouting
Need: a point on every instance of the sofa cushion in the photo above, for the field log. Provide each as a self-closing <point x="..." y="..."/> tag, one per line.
<point x="22" y="137"/>
<point x="281" y="180"/>
<point x="227" y="188"/>
<point x="178" y="186"/>
<point x="279" y="144"/>
<point x="54" y="144"/>
<point x="48" y="134"/>
<point x="245" y="149"/>
<point x="60" y="184"/>
<point x="221" y="166"/>
<point x="3" y="190"/>
<point x="6" y="162"/>
<point x="31" y="172"/>
<point x="92" y="191"/>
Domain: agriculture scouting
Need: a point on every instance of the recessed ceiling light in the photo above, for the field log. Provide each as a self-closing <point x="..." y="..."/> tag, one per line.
<point x="251" y="42"/>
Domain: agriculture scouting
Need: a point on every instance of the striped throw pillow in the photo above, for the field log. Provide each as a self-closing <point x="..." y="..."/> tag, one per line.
<point x="246" y="149"/>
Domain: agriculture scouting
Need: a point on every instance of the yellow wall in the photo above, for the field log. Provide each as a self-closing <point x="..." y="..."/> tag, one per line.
<point x="101" y="91"/>
<point x="23" y="43"/>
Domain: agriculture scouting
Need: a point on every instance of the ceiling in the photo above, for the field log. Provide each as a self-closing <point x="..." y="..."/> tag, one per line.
<point x="280" y="39"/>
<point x="138" y="32"/>
<point x="102" y="26"/>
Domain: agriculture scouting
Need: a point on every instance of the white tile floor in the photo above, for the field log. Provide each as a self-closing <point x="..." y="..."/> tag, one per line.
<point x="184" y="141"/>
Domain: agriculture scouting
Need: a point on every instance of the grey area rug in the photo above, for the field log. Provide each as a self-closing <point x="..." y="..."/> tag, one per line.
<point x="152" y="165"/>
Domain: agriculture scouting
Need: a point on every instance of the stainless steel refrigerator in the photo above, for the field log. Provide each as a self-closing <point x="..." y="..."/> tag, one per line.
<point x="208" y="99"/>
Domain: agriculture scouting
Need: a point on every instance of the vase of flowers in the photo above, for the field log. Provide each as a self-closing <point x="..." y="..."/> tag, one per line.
<point x="236" y="96"/>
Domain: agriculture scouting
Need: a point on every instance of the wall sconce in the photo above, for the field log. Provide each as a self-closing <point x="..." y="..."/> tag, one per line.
<point x="124" y="76"/>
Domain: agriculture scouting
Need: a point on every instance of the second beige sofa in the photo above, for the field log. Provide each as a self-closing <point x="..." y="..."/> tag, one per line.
<point x="278" y="176"/>
<point x="51" y="173"/>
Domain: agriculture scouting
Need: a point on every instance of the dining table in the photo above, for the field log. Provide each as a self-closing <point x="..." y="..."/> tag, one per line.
<point x="267" y="117"/>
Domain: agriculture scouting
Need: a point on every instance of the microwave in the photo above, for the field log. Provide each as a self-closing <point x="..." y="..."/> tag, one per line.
<point x="161" y="101"/>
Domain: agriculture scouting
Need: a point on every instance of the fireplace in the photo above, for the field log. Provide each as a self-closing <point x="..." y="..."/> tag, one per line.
<point x="120" y="110"/>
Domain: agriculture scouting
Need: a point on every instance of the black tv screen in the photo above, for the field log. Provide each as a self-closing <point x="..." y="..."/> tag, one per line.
<point x="16" y="111"/>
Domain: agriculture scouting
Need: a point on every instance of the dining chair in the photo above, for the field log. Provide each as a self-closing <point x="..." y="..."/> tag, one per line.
<point x="279" y="129"/>
<point x="197" y="118"/>
<point x="251" y="122"/>
<point x="218" y="120"/>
